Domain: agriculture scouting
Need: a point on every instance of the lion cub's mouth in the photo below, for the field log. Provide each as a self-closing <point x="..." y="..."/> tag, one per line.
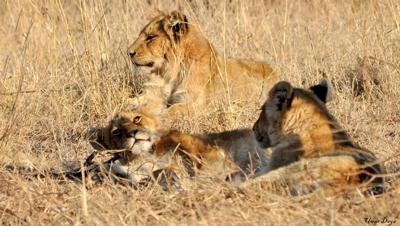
<point x="151" y="64"/>
<point x="142" y="136"/>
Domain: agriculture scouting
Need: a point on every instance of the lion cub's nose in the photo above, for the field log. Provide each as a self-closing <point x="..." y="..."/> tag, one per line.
<point x="132" y="54"/>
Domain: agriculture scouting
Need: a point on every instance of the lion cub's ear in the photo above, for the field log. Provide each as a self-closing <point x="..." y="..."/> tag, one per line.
<point x="96" y="137"/>
<point x="281" y="95"/>
<point x="177" y="25"/>
<point x="321" y="90"/>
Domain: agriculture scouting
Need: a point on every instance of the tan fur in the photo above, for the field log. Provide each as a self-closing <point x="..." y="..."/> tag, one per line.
<point x="298" y="126"/>
<point x="174" y="49"/>
<point x="208" y="153"/>
<point x="332" y="174"/>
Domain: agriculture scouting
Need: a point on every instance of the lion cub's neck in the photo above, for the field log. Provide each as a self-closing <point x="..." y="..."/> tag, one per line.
<point x="313" y="128"/>
<point x="196" y="46"/>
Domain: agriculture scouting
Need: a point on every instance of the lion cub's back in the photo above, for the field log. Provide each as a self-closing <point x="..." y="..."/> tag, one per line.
<point x="256" y="69"/>
<point x="245" y="78"/>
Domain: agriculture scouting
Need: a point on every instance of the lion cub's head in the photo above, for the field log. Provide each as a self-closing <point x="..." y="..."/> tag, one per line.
<point x="288" y="110"/>
<point x="157" y="43"/>
<point x="135" y="131"/>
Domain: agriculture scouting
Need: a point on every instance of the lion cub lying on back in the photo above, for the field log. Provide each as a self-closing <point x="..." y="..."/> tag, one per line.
<point x="308" y="143"/>
<point x="137" y="133"/>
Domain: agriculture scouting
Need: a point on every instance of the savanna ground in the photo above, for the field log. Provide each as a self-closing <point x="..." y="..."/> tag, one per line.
<point x="64" y="67"/>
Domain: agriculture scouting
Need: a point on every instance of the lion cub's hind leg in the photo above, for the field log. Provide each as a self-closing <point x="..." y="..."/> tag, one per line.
<point x="308" y="175"/>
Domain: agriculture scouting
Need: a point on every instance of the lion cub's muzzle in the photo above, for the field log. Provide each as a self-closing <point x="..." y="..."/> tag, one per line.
<point x="135" y="133"/>
<point x="141" y="135"/>
<point x="143" y="142"/>
<point x="137" y="62"/>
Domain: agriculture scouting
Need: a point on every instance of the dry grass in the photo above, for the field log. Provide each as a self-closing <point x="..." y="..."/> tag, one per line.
<point x="63" y="67"/>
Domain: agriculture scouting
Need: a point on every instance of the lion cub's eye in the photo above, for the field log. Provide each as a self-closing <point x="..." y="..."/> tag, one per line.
<point x="137" y="119"/>
<point x="116" y="133"/>
<point x="150" y="37"/>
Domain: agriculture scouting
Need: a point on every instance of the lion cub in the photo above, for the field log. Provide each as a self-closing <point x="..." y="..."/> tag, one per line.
<point x="142" y="133"/>
<point x="304" y="135"/>
<point x="172" y="47"/>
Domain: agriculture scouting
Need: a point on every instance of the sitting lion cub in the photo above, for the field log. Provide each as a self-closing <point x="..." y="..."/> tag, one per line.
<point x="172" y="48"/>
<point x="308" y="144"/>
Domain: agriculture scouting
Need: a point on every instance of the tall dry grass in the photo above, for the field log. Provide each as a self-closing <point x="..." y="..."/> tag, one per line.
<point x="63" y="68"/>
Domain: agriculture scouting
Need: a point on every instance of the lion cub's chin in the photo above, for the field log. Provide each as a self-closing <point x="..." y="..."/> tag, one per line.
<point x="142" y="147"/>
<point x="142" y="70"/>
<point x="148" y="70"/>
<point x="143" y="143"/>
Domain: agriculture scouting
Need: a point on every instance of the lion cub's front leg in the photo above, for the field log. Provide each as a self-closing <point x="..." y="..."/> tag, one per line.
<point x="181" y="104"/>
